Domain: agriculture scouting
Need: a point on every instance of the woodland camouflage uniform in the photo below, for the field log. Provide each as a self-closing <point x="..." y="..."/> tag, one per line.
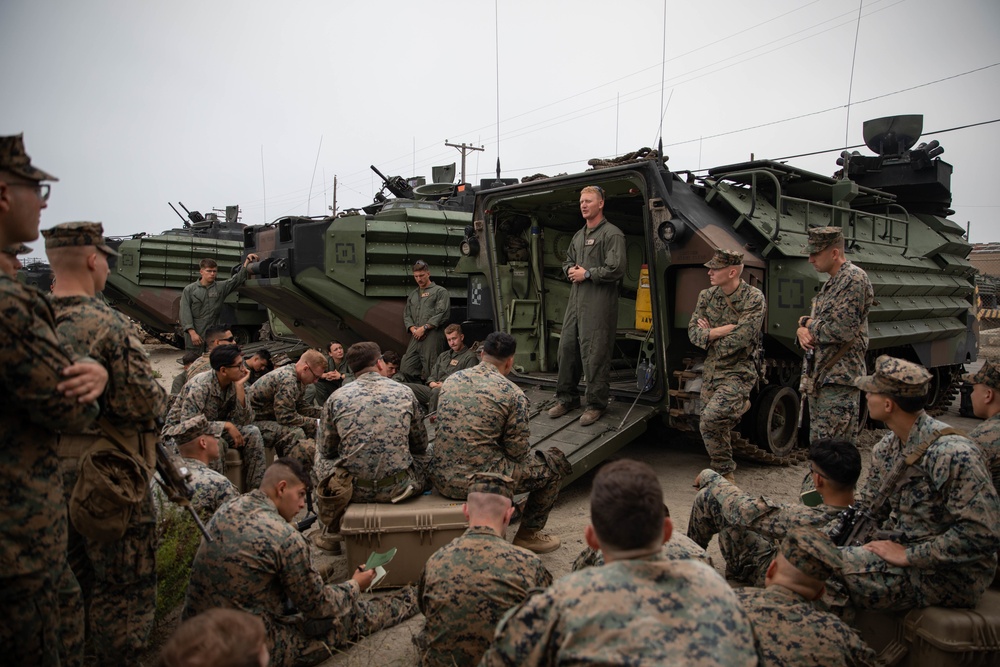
<point x="680" y="547"/>
<point x="286" y="420"/>
<point x="729" y="372"/>
<point x="987" y="434"/>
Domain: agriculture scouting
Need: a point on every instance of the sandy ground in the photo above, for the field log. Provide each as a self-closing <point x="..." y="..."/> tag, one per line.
<point x="676" y="459"/>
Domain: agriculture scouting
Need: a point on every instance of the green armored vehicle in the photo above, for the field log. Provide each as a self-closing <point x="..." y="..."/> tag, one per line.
<point x="893" y="208"/>
<point x="148" y="277"/>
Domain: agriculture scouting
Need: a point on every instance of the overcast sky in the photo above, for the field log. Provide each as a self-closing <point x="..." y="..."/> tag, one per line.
<point x="136" y="104"/>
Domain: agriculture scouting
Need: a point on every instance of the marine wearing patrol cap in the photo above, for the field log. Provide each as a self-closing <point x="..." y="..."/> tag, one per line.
<point x="491" y="482"/>
<point x="14" y="159"/>
<point x="988" y="375"/>
<point x="77" y="234"/>
<point x="15" y="250"/>
<point x="812" y="553"/>
<point x="895" y="377"/>
<point x="724" y="258"/>
<point x="193" y="428"/>
<point x="821" y="238"/>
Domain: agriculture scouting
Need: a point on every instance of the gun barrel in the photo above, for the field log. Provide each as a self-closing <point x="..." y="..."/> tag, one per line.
<point x="379" y="173"/>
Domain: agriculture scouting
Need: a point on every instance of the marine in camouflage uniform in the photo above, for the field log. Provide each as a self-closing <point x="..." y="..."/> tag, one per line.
<point x="680" y="547"/>
<point x="839" y="320"/>
<point x="942" y="517"/>
<point x="258" y="562"/>
<point x="118" y="578"/>
<point x="790" y="630"/>
<point x="726" y="323"/>
<point x="427" y="311"/>
<point x="375" y="426"/>
<point x="204" y="394"/>
<point x="202" y="300"/>
<point x="448" y="362"/>
<point x="468" y="584"/>
<point x="595" y="264"/>
<point x="986" y="404"/>
<point x="33" y="520"/>
<point x="638" y="608"/>
<point x="482" y="426"/>
<point x="210" y="489"/>
<point x="281" y="412"/>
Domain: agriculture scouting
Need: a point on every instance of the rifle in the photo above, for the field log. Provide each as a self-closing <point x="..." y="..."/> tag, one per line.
<point x="806" y="384"/>
<point x="174" y="480"/>
<point x="311" y="515"/>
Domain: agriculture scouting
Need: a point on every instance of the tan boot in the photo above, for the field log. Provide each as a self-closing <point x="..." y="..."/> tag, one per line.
<point x="537" y="541"/>
<point x="559" y="409"/>
<point x="590" y="415"/>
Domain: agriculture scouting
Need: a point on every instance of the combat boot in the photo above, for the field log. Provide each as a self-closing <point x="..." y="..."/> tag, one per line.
<point x="537" y="541"/>
<point x="559" y="409"/>
<point x="590" y="415"/>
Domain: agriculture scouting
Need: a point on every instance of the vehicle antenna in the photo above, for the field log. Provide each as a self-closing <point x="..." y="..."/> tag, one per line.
<point x="313" y="179"/>
<point x="263" y="181"/>
<point x="496" y="47"/>
<point x="850" y="86"/>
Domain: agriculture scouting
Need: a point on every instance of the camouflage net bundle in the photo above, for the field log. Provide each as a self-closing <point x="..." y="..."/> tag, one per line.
<point x="645" y="153"/>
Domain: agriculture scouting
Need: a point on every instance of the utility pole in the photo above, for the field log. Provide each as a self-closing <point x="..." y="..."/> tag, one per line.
<point x="464" y="148"/>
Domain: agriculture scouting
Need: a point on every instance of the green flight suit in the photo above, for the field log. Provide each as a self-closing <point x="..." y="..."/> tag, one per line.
<point x="200" y="305"/>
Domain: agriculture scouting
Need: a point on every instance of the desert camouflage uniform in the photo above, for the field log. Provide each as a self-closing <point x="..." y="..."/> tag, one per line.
<point x="200" y="305"/>
<point x="947" y="513"/>
<point x="448" y="363"/>
<point x="211" y="489"/>
<point x="482" y="426"/>
<point x="465" y="588"/>
<point x="33" y="518"/>
<point x="645" y="611"/>
<point x="285" y="419"/>
<point x="749" y="527"/>
<point x="591" y="318"/>
<point x="258" y="562"/>
<point x="793" y="633"/>
<point x="840" y="314"/>
<point x="199" y="366"/>
<point x="203" y="395"/>
<point x="987" y="437"/>
<point x="680" y="547"/>
<point x="729" y="373"/>
<point x="425" y="306"/>
<point x="118" y="578"/>
<point x="375" y="426"/>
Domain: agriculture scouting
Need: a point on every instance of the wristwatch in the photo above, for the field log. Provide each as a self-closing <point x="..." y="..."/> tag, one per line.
<point x="803" y="320"/>
<point x="586" y="275"/>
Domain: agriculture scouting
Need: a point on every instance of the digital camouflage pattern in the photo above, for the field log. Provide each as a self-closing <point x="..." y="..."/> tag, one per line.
<point x="646" y="611"/>
<point x="199" y="366"/>
<point x="200" y="305"/>
<point x="987" y="437"/>
<point x="723" y="258"/>
<point x="203" y="395"/>
<point x="121" y="593"/>
<point x="33" y="517"/>
<point x="286" y="420"/>
<point x="946" y="512"/>
<point x="72" y="234"/>
<point x="465" y="587"/>
<point x="839" y="315"/>
<point x="895" y="377"/>
<point x="729" y="372"/>
<point x="15" y="159"/>
<point x="821" y="238"/>
<point x="680" y="547"/>
<point x="448" y="363"/>
<point x="749" y="527"/>
<point x="482" y="426"/>
<point x="211" y="489"/>
<point x="591" y="318"/>
<point x="425" y="306"/>
<point x="791" y="632"/>
<point x="375" y="426"/>
<point x="258" y="562"/>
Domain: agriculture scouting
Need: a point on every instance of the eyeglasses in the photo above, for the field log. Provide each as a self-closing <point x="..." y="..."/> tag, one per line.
<point x="239" y="365"/>
<point x="231" y="339"/>
<point x="41" y="189"/>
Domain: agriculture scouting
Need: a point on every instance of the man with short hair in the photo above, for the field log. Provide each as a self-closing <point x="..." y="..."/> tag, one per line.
<point x="44" y="390"/>
<point x="986" y="405"/>
<point x="835" y="333"/>
<point x="285" y="419"/>
<point x="188" y="358"/>
<point x="259" y="562"/>
<point x="595" y="264"/>
<point x="790" y="630"/>
<point x="941" y="514"/>
<point x="468" y="584"/>
<point x="198" y="443"/>
<point x="9" y="262"/>
<point x="215" y="335"/>
<point x="482" y="426"/>
<point x="456" y="358"/>
<point x="390" y="366"/>
<point x="428" y="309"/>
<point x="201" y="301"/>
<point x="375" y="426"/>
<point x="638" y="607"/>
<point x="221" y="397"/>
<point x="259" y="364"/>
<point x="750" y="528"/>
<point x="121" y="598"/>
<point x="726" y="323"/>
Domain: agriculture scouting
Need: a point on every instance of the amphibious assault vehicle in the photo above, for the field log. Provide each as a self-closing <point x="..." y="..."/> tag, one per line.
<point x="892" y="206"/>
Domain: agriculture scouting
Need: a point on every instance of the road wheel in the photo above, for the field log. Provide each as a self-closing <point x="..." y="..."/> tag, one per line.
<point x="776" y="416"/>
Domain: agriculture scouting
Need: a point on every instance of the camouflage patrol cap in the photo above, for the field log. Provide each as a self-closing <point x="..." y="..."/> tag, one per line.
<point x="192" y="428"/>
<point x="895" y="377"/>
<point x="822" y="238"/>
<point x="724" y="258"/>
<point x="77" y="234"/>
<point x="988" y="375"/>
<point x="491" y="482"/>
<point x="15" y="250"/>
<point x="15" y="160"/>
<point x="812" y="553"/>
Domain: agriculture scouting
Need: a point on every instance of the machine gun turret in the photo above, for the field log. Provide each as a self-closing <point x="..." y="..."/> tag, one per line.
<point x="397" y="185"/>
